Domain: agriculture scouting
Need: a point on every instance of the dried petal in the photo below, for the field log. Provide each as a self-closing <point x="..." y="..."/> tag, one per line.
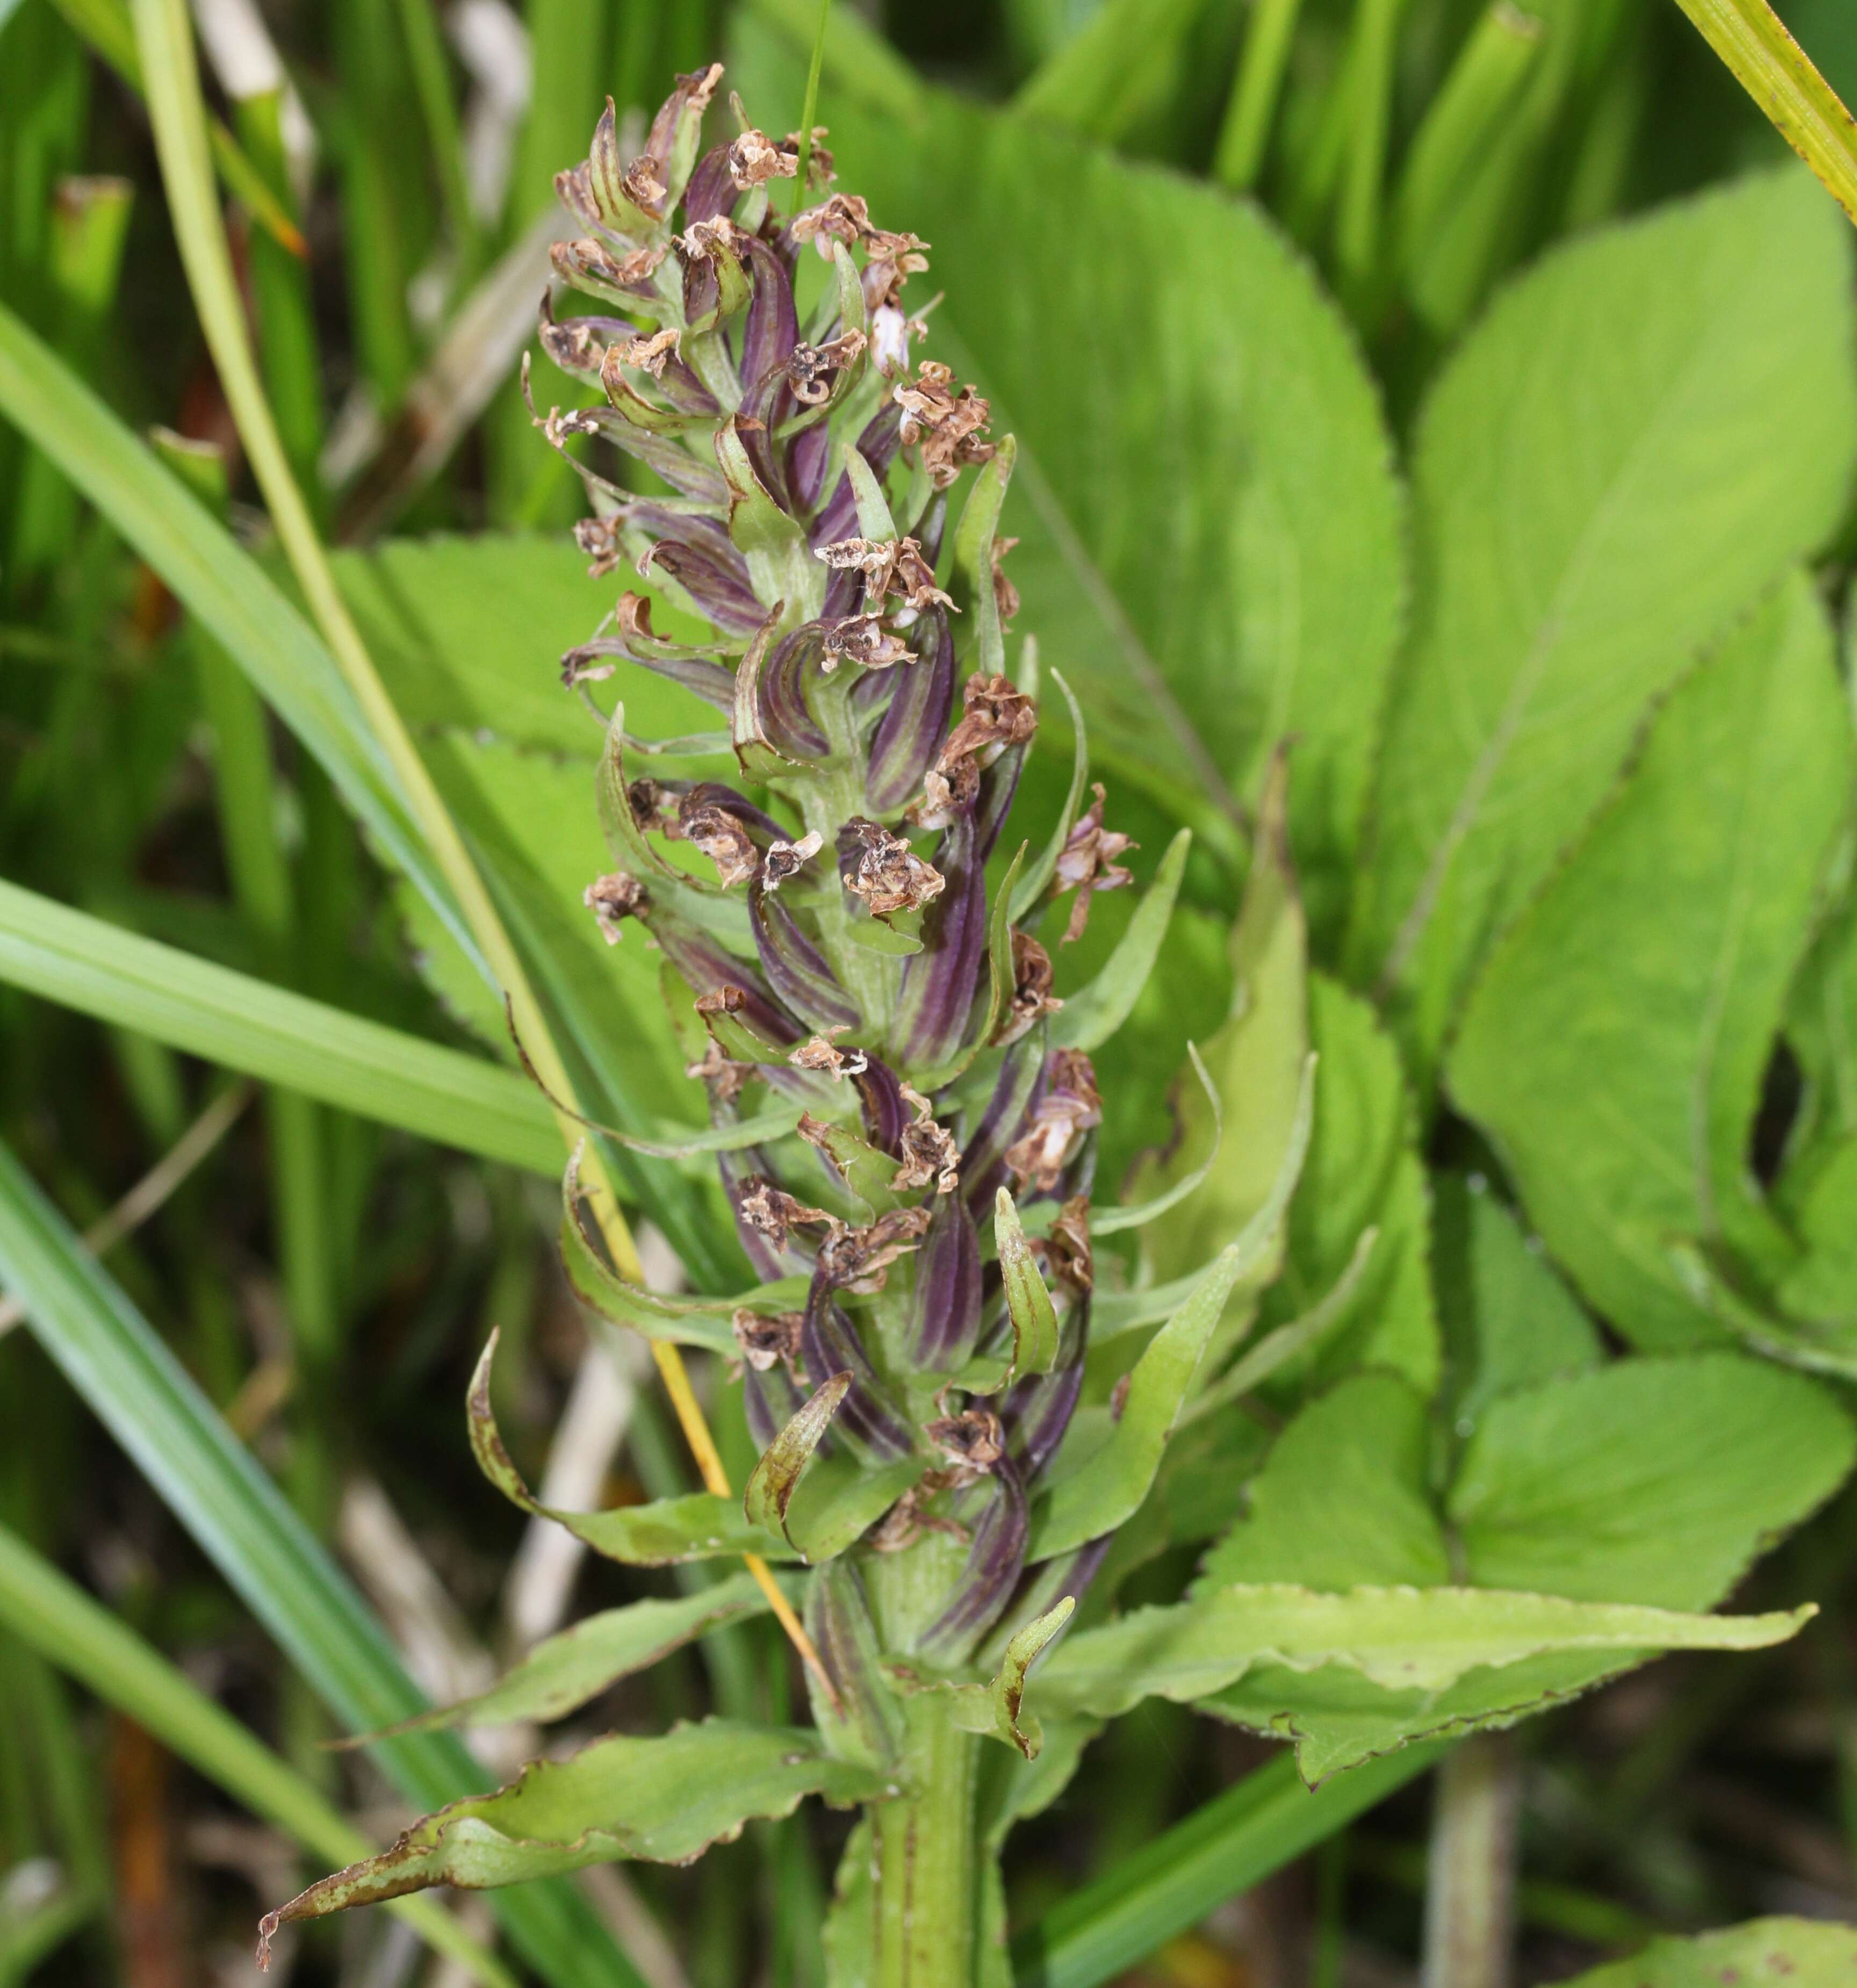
<point x="994" y="715"/>
<point x="767" y="1338"/>
<point x="1087" y="863"/>
<point x="866" y="640"/>
<point x="929" y="1150"/>
<point x="809" y="367"/>
<point x="613" y="899"/>
<point x="844" y="216"/>
<point x="945" y="796"/>
<point x="754" y="159"/>
<point x="1031" y="994"/>
<point x="1065" y="1252"/>
<point x="721" y="837"/>
<point x="883" y="871"/>
<point x="889" y="565"/>
<point x="859" y="1259"/>
<point x="771" y="1211"/>
<point x="817" y="1053"/>
<point x="1005" y="596"/>
<point x="723" y="1075"/>
<point x="1069" y="1107"/>
<point x="651" y="354"/>
<point x="948" y="426"/>
<point x="972" y="1442"/>
<point x="786" y="859"/>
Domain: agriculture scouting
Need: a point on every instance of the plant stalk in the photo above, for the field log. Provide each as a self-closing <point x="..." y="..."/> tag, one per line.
<point x="1781" y="78"/>
<point x="165" y="37"/>
<point x="926" y="1858"/>
<point x="1469" y="1899"/>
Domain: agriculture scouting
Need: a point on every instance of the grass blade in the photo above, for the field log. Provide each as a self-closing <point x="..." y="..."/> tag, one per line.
<point x="246" y="1024"/>
<point x="241" y="1520"/>
<point x="225" y="590"/>
<point x="1232" y="1843"/>
<point x="55" y="1616"/>
<point x="1781" y="78"/>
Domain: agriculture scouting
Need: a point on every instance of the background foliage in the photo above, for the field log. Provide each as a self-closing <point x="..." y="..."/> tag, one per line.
<point x="1497" y="452"/>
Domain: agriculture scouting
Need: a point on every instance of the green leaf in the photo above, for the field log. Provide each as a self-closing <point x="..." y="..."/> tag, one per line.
<point x="564" y="1671"/>
<point x="1224" y="1848"/>
<point x="1113" y="1220"/>
<point x="1090" y="1016"/>
<point x="1209" y="546"/>
<point x="1510" y="1321"/>
<point x="838" y="1499"/>
<point x="1364" y="1171"/>
<point x="1121" y="72"/>
<point x="55" y="1616"/>
<point x="1564" y="1494"/>
<point x="245" y="1024"/>
<point x="1256" y="1059"/>
<point x="1031" y="886"/>
<point x="1656" y="1480"/>
<point x="1114" y="1477"/>
<point x="698" y="1526"/>
<point x="1615" y="1046"/>
<point x="223" y="588"/>
<point x="664" y="1799"/>
<point x="772" y="1483"/>
<point x="1397" y="1639"/>
<point x="469" y="632"/>
<point x="997" y="1710"/>
<point x="1344" y="1499"/>
<point x="1802" y="1953"/>
<point x="1028" y="1304"/>
<point x="1643" y="432"/>
<point x="241" y="1522"/>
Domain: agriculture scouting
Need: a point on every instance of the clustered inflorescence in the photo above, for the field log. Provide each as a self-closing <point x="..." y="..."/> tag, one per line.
<point x="838" y="942"/>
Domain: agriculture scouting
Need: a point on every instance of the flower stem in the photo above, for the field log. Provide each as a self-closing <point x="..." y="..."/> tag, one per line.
<point x="1469" y="1902"/>
<point x="927" y="1867"/>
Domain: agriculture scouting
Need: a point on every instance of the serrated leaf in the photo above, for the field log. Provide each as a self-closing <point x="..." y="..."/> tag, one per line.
<point x="664" y="1800"/>
<point x="1642" y="433"/>
<point x="1615" y="1046"/>
<point x="1396" y="1639"/>
<point x="698" y="1526"/>
<point x="563" y="1672"/>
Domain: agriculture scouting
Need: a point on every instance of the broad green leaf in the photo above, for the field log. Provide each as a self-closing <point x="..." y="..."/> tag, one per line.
<point x="1255" y="1061"/>
<point x="225" y="591"/>
<point x="1649" y="1480"/>
<point x="244" y="1525"/>
<point x="1763" y="1953"/>
<point x="664" y="1799"/>
<point x="1363" y="1171"/>
<point x="1643" y="432"/>
<point x="564" y="1671"/>
<point x="249" y="1024"/>
<point x="1559" y="1492"/>
<point x="1344" y="1499"/>
<point x="1396" y="1639"/>
<point x="54" y="1616"/>
<point x="838" y="1499"/>
<point x="1208" y="517"/>
<point x="1615" y="1045"/>
<point x="1508" y="1321"/>
<point x="1090" y="1016"/>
